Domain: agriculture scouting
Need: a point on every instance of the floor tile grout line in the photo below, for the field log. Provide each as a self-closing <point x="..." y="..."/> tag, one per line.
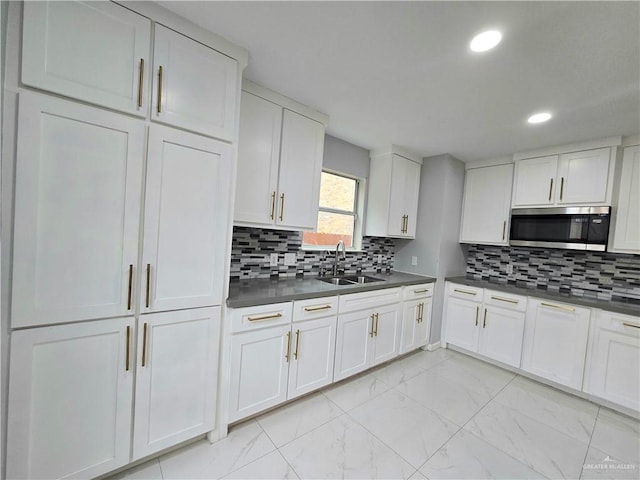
<point x="590" y="440"/>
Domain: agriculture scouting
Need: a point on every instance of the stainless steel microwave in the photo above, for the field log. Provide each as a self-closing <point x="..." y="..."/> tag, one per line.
<point x="574" y="228"/>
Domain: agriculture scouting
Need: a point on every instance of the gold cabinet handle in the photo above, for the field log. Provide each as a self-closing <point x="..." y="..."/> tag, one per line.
<point x="464" y="291"/>
<point x="477" y="313"/>
<point x="421" y="318"/>
<point x="140" y="82"/>
<point x="504" y="229"/>
<point x="144" y="344"/>
<point x="372" y="317"/>
<point x="264" y="317"/>
<point x="561" y="187"/>
<point x="375" y="332"/>
<point x="550" y="187"/>
<point x="632" y="325"/>
<point x="295" y="352"/>
<point x="130" y="289"/>
<point x="160" y="89"/>
<point x="127" y="354"/>
<point x="559" y="307"/>
<point x="315" y="309"/>
<point x="273" y="205"/>
<point x="484" y="322"/>
<point x="504" y="299"/>
<point x="424" y="290"/>
<point x="406" y="224"/>
<point x="281" y="206"/>
<point x="286" y="355"/>
<point x="146" y="297"/>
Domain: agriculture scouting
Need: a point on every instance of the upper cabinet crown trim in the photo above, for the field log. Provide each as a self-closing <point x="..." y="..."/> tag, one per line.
<point x="395" y="150"/>
<point x="491" y="162"/>
<point x="173" y="21"/>
<point x="574" y="147"/>
<point x="284" y="101"/>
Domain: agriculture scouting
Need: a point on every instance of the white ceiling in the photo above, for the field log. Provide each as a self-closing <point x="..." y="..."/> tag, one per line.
<point x="402" y="73"/>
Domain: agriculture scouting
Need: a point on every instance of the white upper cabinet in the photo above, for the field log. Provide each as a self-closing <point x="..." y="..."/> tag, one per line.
<point x="487" y="205"/>
<point x="394" y="186"/>
<point x="186" y="205"/>
<point x="575" y="178"/>
<point x="77" y="211"/>
<point x="97" y="52"/>
<point x="194" y="86"/>
<point x="626" y="229"/>
<point x="279" y="161"/>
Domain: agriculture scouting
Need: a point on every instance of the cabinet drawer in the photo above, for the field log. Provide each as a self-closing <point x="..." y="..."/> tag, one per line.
<point x="366" y="300"/>
<point x="617" y="322"/>
<point x="314" y="308"/>
<point x="423" y="290"/>
<point x="465" y="292"/>
<point x="252" y="318"/>
<point x="505" y="300"/>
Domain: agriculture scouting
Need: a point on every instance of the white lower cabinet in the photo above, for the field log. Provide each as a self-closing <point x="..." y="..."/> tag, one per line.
<point x="493" y="328"/>
<point x="70" y="396"/>
<point x="176" y="378"/>
<point x="271" y="364"/>
<point x="555" y="341"/>
<point x="370" y="336"/>
<point x="416" y="317"/>
<point x="613" y="359"/>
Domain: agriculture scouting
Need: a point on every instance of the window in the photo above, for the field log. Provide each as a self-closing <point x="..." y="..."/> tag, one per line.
<point x="338" y="217"/>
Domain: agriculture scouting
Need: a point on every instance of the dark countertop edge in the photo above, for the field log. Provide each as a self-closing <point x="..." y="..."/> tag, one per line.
<point x="608" y="305"/>
<point x="319" y="289"/>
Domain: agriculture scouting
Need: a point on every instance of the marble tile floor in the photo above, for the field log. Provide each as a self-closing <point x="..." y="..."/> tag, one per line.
<point x="433" y="415"/>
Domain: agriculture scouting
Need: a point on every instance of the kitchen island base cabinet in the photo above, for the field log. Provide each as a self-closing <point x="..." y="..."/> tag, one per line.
<point x="70" y="394"/>
<point x="613" y="363"/>
<point x="555" y="341"/>
<point x="176" y="378"/>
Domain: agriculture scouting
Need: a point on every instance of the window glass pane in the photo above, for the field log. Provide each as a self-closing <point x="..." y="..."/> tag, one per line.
<point x="331" y="228"/>
<point x="337" y="192"/>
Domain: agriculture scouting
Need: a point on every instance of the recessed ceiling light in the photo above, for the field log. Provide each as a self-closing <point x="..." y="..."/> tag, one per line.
<point x="539" y="117"/>
<point x="485" y="41"/>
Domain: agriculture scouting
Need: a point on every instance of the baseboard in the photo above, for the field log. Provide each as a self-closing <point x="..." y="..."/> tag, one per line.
<point x="433" y="346"/>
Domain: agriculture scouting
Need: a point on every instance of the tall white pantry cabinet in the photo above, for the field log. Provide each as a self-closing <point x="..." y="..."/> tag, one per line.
<point x="120" y="233"/>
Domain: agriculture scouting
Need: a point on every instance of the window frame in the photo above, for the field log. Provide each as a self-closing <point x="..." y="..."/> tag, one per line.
<point x="358" y="213"/>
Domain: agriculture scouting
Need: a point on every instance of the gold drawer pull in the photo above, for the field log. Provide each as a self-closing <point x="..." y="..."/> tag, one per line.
<point x="464" y="291"/>
<point x="630" y="325"/>
<point x="315" y="309"/>
<point x="559" y="307"/>
<point x="424" y="290"/>
<point x="505" y="300"/>
<point x="264" y="317"/>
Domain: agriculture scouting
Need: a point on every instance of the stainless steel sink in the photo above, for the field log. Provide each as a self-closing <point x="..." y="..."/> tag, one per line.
<point x="351" y="280"/>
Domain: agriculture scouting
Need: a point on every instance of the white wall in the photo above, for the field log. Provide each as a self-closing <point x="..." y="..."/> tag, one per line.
<point x="437" y="230"/>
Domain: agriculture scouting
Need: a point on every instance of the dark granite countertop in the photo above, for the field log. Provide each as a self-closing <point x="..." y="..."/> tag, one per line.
<point x="248" y="293"/>
<point x="617" y="306"/>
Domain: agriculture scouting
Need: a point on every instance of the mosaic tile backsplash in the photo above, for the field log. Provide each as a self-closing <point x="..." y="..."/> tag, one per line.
<point x="252" y="248"/>
<point x="606" y="276"/>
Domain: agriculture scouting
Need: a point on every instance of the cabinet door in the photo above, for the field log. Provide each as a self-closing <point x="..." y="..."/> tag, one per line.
<point x="424" y="326"/>
<point x="501" y="335"/>
<point x="388" y="326"/>
<point x="300" y="169"/>
<point x="92" y="51"/>
<point x="583" y="177"/>
<point x="258" y="160"/>
<point x="312" y="354"/>
<point x="411" y="193"/>
<point x="77" y="211"/>
<point x="487" y="205"/>
<point x="355" y="330"/>
<point x="397" y="198"/>
<point x="626" y="237"/>
<point x="534" y="182"/>
<point x="410" y="323"/>
<point x="259" y="369"/>
<point x="555" y="341"/>
<point x="462" y="319"/>
<point x="613" y="370"/>
<point x="70" y="397"/>
<point x="197" y="88"/>
<point x="186" y="217"/>
<point x="176" y="378"/>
